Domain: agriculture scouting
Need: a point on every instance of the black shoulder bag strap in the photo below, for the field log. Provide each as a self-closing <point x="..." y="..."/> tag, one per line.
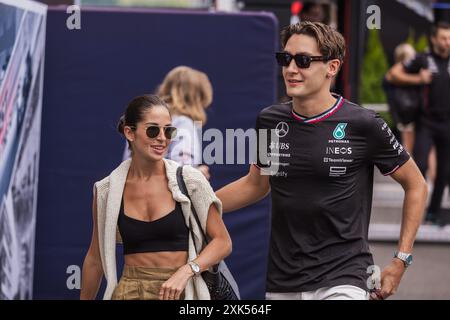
<point x="182" y="186"/>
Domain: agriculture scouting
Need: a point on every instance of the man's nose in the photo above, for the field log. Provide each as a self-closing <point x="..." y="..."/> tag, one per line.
<point x="292" y="67"/>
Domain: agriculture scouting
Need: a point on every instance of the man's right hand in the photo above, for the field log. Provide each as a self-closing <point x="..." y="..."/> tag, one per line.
<point x="244" y="191"/>
<point x="426" y="76"/>
<point x="205" y="170"/>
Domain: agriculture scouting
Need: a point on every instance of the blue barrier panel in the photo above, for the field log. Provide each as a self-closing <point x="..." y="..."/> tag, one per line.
<point x="91" y="74"/>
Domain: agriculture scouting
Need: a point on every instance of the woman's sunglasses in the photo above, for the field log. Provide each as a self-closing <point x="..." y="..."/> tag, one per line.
<point x="302" y="61"/>
<point x="153" y="131"/>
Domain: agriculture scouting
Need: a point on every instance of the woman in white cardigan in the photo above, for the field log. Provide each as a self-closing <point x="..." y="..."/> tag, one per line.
<point x="140" y="204"/>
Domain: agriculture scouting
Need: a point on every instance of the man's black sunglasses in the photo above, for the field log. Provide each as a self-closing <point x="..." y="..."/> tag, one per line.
<point x="302" y="61"/>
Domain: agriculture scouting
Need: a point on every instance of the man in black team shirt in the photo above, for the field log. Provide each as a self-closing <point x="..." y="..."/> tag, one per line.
<point x="322" y="192"/>
<point x="432" y="69"/>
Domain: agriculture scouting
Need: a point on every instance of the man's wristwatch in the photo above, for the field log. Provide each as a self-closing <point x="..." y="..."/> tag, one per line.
<point x="407" y="258"/>
<point x="195" y="268"/>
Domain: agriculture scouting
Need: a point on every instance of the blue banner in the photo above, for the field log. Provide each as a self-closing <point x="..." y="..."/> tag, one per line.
<point x="90" y="75"/>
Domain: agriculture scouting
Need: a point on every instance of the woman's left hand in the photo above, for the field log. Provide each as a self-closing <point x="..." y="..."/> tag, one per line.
<point x="175" y="285"/>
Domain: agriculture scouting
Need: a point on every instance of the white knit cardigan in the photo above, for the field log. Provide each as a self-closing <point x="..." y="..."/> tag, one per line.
<point x="109" y="194"/>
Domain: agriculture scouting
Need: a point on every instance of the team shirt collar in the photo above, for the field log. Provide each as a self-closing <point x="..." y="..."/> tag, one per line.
<point x="320" y="117"/>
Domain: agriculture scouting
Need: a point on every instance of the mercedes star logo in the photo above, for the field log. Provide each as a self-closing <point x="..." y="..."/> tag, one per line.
<point x="282" y="129"/>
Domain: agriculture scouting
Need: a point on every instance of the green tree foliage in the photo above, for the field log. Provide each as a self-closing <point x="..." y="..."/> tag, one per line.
<point x="420" y="45"/>
<point x="374" y="68"/>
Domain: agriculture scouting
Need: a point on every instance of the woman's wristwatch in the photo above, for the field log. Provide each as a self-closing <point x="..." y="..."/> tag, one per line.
<point x="194" y="267"/>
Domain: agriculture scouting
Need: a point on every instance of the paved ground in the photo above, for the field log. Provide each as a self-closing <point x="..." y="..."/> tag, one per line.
<point x="429" y="276"/>
<point x="388" y="200"/>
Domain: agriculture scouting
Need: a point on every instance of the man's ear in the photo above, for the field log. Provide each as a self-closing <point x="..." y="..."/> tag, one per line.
<point x="129" y="133"/>
<point x="333" y="68"/>
<point x="433" y="40"/>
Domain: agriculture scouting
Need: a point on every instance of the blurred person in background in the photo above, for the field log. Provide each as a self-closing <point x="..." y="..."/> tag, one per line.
<point x="188" y="92"/>
<point x="314" y="12"/>
<point x="404" y="101"/>
<point x="432" y="70"/>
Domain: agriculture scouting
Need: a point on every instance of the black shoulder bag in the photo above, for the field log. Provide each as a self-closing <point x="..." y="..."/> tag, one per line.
<point x="219" y="280"/>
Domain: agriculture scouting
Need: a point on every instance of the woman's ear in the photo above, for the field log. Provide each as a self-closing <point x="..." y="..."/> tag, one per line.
<point x="129" y="133"/>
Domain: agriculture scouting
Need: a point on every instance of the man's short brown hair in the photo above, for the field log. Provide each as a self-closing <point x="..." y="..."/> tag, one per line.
<point x="440" y="25"/>
<point x="330" y="42"/>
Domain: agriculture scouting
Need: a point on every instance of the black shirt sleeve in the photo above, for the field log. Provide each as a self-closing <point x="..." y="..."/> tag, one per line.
<point x="417" y="63"/>
<point x="384" y="150"/>
<point x="261" y="151"/>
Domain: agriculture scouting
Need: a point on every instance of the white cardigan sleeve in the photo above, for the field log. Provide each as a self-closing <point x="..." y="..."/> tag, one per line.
<point x="201" y="193"/>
